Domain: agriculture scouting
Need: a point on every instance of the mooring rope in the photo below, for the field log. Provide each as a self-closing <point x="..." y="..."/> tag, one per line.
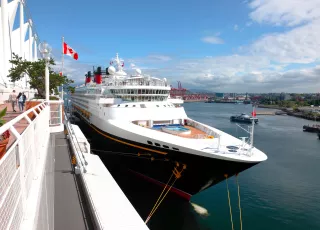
<point x="240" y="211"/>
<point x="231" y="219"/>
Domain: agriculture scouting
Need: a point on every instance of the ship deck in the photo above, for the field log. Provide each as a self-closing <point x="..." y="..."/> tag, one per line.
<point x="194" y="134"/>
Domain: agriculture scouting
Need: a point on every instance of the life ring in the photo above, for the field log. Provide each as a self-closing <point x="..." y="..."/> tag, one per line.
<point x="210" y="137"/>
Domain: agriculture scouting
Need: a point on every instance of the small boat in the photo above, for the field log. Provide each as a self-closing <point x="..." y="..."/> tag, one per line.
<point x="311" y="128"/>
<point x="244" y="118"/>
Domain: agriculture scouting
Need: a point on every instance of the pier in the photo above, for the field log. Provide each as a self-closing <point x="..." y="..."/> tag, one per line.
<point x="265" y="112"/>
<point x="50" y="179"/>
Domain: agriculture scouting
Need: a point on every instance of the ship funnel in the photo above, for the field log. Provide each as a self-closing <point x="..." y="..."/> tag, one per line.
<point x="98" y="75"/>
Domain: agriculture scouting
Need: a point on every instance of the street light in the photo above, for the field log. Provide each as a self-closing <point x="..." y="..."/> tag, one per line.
<point x="45" y="51"/>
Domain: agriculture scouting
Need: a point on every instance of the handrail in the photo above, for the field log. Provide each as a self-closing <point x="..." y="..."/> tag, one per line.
<point x="15" y="120"/>
<point x="80" y="158"/>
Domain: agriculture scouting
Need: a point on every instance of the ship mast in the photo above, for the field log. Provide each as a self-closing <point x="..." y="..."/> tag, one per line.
<point x="253" y="122"/>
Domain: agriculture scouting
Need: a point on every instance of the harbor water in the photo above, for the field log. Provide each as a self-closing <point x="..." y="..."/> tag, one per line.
<point x="281" y="193"/>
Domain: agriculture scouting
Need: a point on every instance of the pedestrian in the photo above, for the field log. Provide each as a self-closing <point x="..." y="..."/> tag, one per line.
<point x="24" y="99"/>
<point x="20" y="101"/>
<point x="13" y="99"/>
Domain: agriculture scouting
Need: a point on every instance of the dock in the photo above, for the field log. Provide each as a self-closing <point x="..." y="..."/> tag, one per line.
<point x="50" y="179"/>
<point x="265" y="112"/>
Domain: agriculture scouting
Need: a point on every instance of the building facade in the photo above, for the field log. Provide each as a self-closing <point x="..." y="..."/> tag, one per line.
<point x="14" y="39"/>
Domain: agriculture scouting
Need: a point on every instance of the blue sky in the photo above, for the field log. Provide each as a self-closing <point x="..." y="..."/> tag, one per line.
<point x="222" y="45"/>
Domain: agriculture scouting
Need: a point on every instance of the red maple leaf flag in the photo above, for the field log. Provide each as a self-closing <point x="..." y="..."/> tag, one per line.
<point x="254" y="114"/>
<point x="69" y="51"/>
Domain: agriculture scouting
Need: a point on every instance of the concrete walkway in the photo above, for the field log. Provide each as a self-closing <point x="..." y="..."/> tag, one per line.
<point x="70" y="210"/>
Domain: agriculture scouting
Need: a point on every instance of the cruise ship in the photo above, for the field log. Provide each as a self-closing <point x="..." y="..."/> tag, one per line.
<point x="140" y="128"/>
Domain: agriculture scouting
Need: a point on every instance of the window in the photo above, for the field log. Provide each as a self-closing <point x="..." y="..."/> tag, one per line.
<point x="143" y="106"/>
<point x="157" y="105"/>
<point x="149" y="142"/>
<point x="126" y="105"/>
<point x="165" y="146"/>
<point x="157" y="144"/>
<point x="134" y="105"/>
<point x="175" y="148"/>
<point x="118" y="105"/>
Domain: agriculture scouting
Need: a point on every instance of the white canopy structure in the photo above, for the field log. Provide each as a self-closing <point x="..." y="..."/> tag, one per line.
<point x="14" y="40"/>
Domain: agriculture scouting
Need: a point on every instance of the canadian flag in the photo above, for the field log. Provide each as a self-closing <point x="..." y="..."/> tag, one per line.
<point x="254" y="114"/>
<point x="69" y="51"/>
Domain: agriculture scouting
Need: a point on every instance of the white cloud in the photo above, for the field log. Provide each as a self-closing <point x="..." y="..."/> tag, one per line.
<point x="261" y="67"/>
<point x="159" y="57"/>
<point x="284" y="12"/>
<point x="212" y="40"/>
<point x="300" y="45"/>
<point x="75" y="70"/>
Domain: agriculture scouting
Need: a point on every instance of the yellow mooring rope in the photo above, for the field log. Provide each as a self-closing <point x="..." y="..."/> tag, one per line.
<point x="154" y="206"/>
<point x="177" y="175"/>
<point x="240" y="212"/>
<point x="226" y="176"/>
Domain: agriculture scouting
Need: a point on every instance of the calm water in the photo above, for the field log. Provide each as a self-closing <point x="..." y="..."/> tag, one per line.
<point x="281" y="193"/>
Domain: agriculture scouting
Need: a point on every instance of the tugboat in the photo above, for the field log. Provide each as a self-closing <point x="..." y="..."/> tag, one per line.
<point x="311" y="128"/>
<point x="244" y="118"/>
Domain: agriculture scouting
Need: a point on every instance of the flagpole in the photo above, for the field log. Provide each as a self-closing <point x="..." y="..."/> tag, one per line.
<point x="252" y="127"/>
<point x="62" y="57"/>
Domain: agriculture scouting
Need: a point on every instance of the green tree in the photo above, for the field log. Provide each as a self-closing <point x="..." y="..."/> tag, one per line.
<point x="71" y="89"/>
<point x="36" y="72"/>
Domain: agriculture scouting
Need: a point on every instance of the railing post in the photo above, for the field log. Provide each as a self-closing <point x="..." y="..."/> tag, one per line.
<point x="61" y="107"/>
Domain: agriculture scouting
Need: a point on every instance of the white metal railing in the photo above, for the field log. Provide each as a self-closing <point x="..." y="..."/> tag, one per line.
<point x="81" y="165"/>
<point x="56" y="112"/>
<point x="22" y="166"/>
<point x="75" y="145"/>
<point x="56" y="116"/>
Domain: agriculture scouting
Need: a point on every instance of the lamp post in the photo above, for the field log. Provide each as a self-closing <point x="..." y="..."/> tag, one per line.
<point x="45" y="51"/>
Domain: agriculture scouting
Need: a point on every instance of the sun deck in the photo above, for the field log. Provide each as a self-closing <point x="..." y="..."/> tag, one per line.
<point x="178" y="127"/>
<point x="194" y="134"/>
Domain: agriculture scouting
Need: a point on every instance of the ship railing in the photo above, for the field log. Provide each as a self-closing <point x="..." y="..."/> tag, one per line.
<point x="209" y="132"/>
<point x="22" y="165"/>
<point x="135" y="83"/>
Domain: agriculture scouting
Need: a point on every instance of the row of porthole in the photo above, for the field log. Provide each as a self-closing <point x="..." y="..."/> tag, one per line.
<point x="164" y="146"/>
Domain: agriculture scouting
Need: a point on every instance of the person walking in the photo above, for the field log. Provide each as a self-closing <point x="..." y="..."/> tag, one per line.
<point x="20" y="101"/>
<point x="13" y="99"/>
<point x="24" y="99"/>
